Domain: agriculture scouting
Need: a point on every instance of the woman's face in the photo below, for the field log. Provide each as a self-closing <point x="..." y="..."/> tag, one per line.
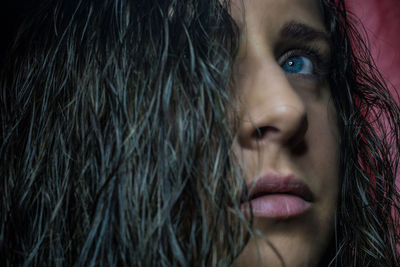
<point x="287" y="139"/>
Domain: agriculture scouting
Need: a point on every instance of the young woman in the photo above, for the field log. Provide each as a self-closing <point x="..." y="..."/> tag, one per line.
<point x="195" y="133"/>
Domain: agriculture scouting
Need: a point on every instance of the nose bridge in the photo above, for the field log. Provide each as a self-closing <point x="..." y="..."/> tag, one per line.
<point x="273" y="110"/>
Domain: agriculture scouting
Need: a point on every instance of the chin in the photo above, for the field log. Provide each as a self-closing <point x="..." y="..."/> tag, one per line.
<point x="288" y="249"/>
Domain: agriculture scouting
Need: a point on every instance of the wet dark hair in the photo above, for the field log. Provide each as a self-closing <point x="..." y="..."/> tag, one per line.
<point x="115" y="138"/>
<point x="116" y="143"/>
<point x="367" y="214"/>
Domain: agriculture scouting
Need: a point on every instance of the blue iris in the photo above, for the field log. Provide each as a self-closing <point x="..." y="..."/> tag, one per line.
<point x="294" y="64"/>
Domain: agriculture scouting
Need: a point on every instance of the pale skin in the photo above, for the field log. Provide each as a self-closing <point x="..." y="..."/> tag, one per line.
<point x="299" y="136"/>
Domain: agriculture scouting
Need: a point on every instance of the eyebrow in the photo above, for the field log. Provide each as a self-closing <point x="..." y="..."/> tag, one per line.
<point x="302" y="32"/>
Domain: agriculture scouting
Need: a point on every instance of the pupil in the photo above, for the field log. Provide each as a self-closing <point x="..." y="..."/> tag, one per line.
<point x="293" y="65"/>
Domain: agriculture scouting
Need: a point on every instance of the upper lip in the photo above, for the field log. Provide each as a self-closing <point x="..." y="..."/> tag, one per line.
<point x="273" y="183"/>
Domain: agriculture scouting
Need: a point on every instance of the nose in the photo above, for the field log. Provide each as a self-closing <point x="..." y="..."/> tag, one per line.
<point x="273" y="111"/>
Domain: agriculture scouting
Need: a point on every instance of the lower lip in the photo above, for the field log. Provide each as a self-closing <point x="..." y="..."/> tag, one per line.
<point x="277" y="206"/>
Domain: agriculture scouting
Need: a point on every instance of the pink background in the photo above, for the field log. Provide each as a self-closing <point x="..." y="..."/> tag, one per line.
<point x="381" y="19"/>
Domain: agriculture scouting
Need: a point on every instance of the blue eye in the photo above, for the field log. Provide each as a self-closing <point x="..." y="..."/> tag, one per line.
<point x="298" y="65"/>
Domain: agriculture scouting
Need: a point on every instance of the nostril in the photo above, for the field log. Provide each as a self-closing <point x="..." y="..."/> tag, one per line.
<point x="261" y="132"/>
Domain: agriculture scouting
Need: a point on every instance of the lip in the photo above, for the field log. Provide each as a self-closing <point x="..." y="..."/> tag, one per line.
<point x="278" y="196"/>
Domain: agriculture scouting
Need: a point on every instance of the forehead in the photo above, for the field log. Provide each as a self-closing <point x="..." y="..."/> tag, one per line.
<point x="270" y="15"/>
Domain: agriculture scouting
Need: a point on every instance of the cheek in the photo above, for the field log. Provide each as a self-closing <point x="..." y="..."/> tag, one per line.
<point x="323" y="142"/>
<point x="323" y="139"/>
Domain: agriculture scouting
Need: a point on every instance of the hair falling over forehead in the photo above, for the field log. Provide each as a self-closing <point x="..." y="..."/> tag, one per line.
<point x="116" y="144"/>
